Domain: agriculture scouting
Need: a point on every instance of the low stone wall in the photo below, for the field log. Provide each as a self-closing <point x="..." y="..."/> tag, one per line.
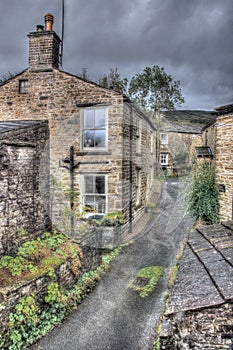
<point x="66" y="275"/>
<point x="210" y="328"/>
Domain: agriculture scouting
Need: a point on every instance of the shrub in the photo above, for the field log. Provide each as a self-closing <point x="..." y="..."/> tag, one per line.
<point x="202" y="194"/>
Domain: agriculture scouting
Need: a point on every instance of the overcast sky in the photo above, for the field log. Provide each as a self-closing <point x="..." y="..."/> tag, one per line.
<point x="191" y="39"/>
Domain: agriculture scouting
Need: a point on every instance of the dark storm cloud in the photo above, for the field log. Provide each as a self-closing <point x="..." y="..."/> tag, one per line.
<point x="192" y="40"/>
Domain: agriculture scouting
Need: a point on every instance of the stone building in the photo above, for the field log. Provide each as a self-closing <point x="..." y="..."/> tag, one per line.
<point x="200" y="309"/>
<point x="101" y="146"/>
<point x="22" y="213"/>
<point x="181" y="134"/>
<point x="218" y="140"/>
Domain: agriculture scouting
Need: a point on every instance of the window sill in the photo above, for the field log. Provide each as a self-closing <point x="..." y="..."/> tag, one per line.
<point x="93" y="153"/>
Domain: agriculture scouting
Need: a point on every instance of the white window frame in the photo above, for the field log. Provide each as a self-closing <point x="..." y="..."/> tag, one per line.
<point x="138" y="135"/>
<point x="164" y="138"/>
<point x="164" y="158"/>
<point x="83" y="194"/>
<point x="151" y="143"/>
<point x="95" y="149"/>
<point x="138" y="187"/>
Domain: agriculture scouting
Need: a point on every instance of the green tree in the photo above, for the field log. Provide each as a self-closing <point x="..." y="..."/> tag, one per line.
<point x="202" y="193"/>
<point x="113" y="81"/>
<point x="155" y="90"/>
<point x="84" y="74"/>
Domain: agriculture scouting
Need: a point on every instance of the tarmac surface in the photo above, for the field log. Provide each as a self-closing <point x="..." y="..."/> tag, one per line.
<point x="113" y="316"/>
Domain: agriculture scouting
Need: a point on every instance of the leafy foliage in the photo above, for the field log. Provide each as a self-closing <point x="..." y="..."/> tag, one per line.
<point x="16" y="265"/>
<point x="38" y="257"/>
<point x="33" y="318"/>
<point x="112" y="219"/>
<point x="202" y="194"/>
<point x="155" y="90"/>
<point x="113" y="81"/>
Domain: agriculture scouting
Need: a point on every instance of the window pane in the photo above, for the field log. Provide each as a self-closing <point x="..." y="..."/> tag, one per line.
<point x="100" y="119"/>
<point x="89" y="202"/>
<point x="100" y="204"/>
<point x="100" y="138"/>
<point x="23" y="86"/>
<point x="99" y="184"/>
<point x="89" y="119"/>
<point x="88" y="138"/>
<point x="89" y="184"/>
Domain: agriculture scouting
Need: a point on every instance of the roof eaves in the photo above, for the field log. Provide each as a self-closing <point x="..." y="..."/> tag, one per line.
<point x="13" y="77"/>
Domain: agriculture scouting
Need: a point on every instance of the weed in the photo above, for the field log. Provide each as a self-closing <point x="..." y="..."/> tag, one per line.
<point x="151" y="275"/>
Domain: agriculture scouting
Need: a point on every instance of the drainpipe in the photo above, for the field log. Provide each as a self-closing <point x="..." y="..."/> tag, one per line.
<point x="131" y="170"/>
<point x="206" y="138"/>
<point x="232" y="209"/>
<point x="71" y="166"/>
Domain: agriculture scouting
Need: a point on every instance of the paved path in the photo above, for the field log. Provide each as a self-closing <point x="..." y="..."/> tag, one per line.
<point x="113" y="316"/>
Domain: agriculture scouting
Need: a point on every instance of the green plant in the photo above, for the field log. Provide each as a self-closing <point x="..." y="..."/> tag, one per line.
<point x="202" y="194"/>
<point x="16" y="265"/>
<point x="54" y="295"/>
<point x="30" y="320"/>
<point x="22" y="324"/>
<point x="30" y="249"/>
<point x="53" y="239"/>
<point x="112" y="219"/>
<point x="146" y="280"/>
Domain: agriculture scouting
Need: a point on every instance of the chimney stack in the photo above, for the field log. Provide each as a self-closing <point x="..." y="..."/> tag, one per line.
<point x="48" y="22"/>
<point x="44" y="46"/>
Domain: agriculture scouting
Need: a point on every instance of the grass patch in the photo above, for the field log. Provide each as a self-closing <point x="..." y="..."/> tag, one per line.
<point x="146" y="280"/>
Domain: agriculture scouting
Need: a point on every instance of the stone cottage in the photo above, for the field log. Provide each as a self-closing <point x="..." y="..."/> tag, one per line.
<point x="218" y="140"/>
<point x="22" y="213"/>
<point x="181" y="133"/>
<point x="101" y="146"/>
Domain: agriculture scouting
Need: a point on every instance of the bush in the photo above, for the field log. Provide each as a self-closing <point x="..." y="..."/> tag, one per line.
<point x="202" y="194"/>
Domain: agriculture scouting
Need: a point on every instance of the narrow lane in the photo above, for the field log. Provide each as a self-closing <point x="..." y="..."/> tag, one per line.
<point x="114" y="316"/>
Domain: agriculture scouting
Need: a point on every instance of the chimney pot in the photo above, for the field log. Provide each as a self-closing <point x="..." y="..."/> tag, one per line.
<point x="39" y="28"/>
<point x="49" y="22"/>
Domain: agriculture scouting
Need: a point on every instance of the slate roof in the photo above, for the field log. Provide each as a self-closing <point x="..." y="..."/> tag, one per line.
<point x="205" y="276"/>
<point x="187" y="121"/>
<point x="6" y="126"/>
<point x="204" y="151"/>
<point x="224" y="109"/>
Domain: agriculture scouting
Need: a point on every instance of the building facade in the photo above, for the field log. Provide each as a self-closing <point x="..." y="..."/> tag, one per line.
<point x="101" y="146"/>
<point x="22" y="215"/>
<point x="181" y="134"/>
<point x="219" y="137"/>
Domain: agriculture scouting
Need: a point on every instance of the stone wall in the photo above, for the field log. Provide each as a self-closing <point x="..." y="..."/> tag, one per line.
<point x="224" y="163"/>
<point x="210" y="328"/>
<point x="22" y="215"/>
<point x="142" y="162"/>
<point x="65" y="275"/>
